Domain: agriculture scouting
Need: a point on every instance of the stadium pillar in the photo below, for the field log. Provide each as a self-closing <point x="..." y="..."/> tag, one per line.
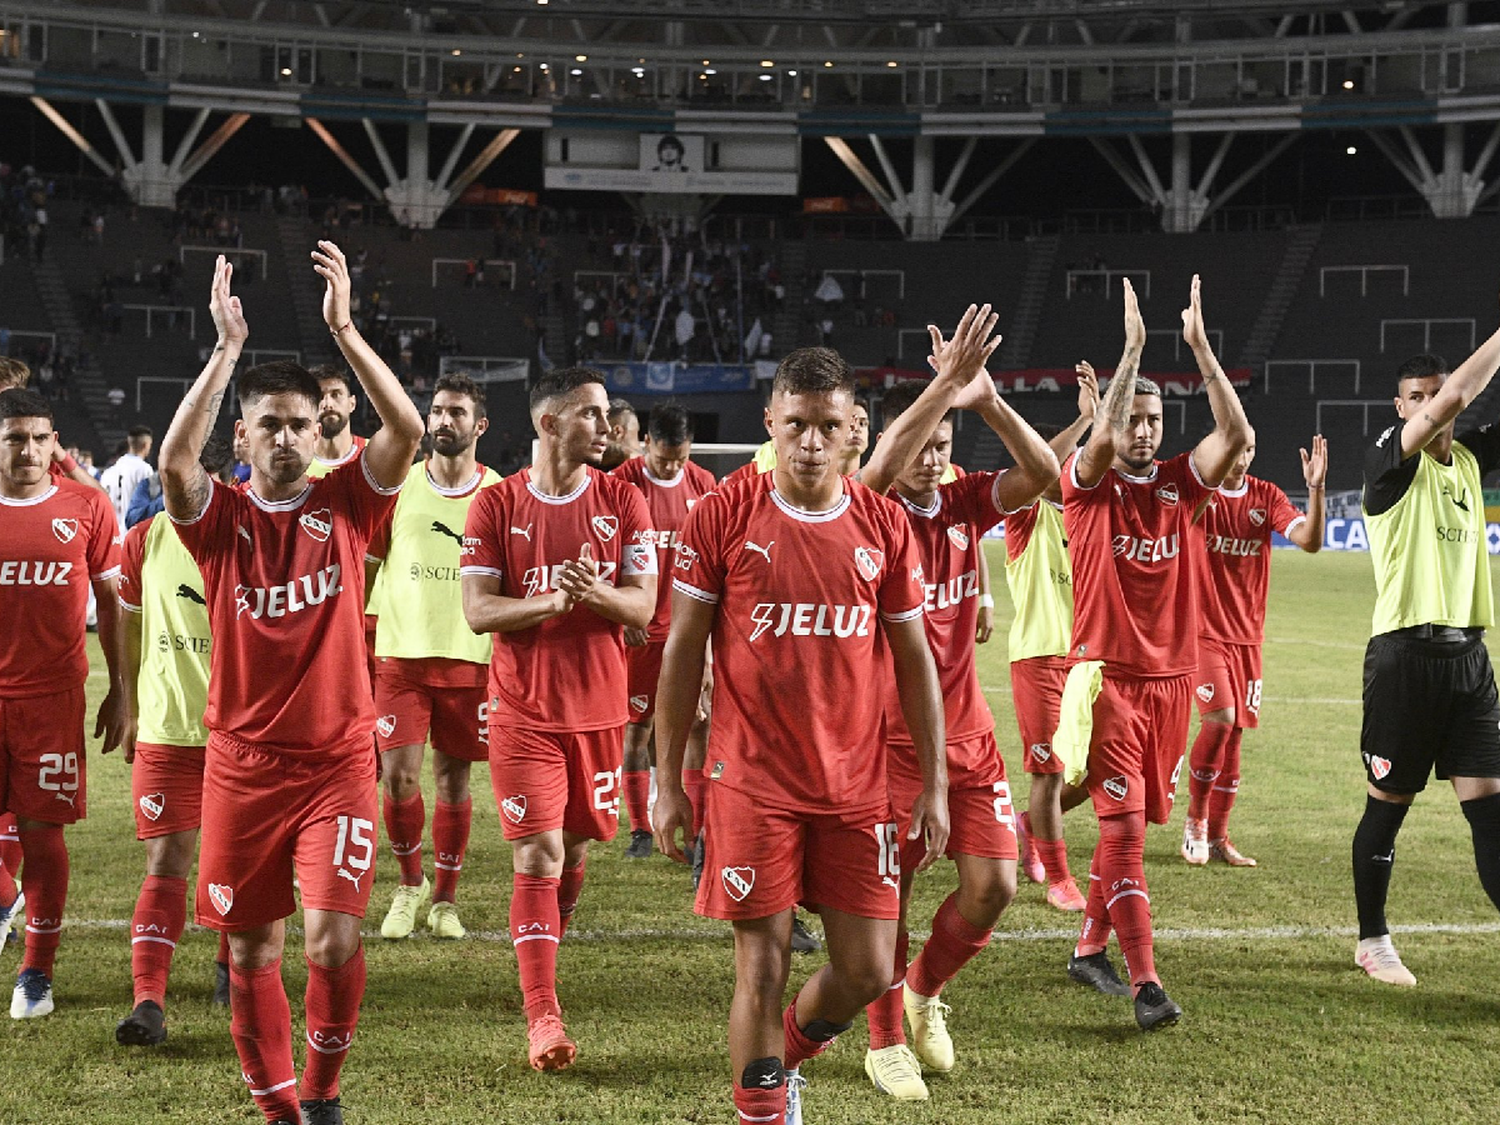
<point x="1183" y="207"/>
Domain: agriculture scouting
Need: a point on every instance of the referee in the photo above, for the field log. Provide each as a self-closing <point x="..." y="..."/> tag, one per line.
<point x="1429" y="689"/>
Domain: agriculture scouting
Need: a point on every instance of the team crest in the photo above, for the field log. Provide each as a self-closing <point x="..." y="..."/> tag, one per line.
<point x="318" y="524"/>
<point x="1258" y="516"/>
<point x="514" y="808"/>
<point x="869" y="561"/>
<point x="606" y="527"/>
<point x="386" y="725"/>
<point x="222" y="896"/>
<point x="152" y="805"/>
<point x="1380" y="768"/>
<point x="738" y="881"/>
<point x="638" y="703"/>
<point x="1041" y="751"/>
<point x="959" y="537"/>
<point x="1117" y="787"/>
<point x="1167" y="494"/>
<point x="65" y="530"/>
<point x="1205" y="692"/>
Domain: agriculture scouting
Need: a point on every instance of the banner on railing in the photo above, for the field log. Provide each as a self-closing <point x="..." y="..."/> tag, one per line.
<point x="679" y="378"/>
<point x="1046" y="379"/>
<point x="1352" y="535"/>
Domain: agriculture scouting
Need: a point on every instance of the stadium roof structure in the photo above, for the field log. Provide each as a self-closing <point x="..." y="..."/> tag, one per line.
<point x="851" y="73"/>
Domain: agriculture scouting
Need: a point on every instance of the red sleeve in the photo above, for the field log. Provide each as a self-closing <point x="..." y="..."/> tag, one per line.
<point x="639" y="553"/>
<point x="1184" y="471"/>
<point x="903" y="590"/>
<point x="380" y="543"/>
<point x="1018" y="529"/>
<point x="132" y="556"/>
<point x="481" y="551"/>
<point x="366" y="503"/>
<point x="1283" y="512"/>
<point x="698" y="566"/>
<point x="104" y="538"/>
<point x="744" y="472"/>
<point x="204" y="533"/>
<point x="972" y="497"/>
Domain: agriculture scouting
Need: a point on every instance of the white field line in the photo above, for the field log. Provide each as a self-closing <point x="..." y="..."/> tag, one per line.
<point x="1336" y="700"/>
<point x="1209" y="933"/>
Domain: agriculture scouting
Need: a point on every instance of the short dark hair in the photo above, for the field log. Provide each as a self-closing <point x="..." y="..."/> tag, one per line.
<point x="618" y="408"/>
<point x="461" y="384"/>
<point x="217" y="456"/>
<point x="139" y="431"/>
<point x="670" y="424"/>
<point x="1421" y="367"/>
<point x="901" y="398"/>
<point x="561" y="381"/>
<point x="326" y="371"/>
<point x="278" y="377"/>
<point x="813" y="371"/>
<point x="21" y="403"/>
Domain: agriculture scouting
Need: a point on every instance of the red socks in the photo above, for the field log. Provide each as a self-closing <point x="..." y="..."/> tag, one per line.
<point x="450" y="839"/>
<point x="403" y="827"/>
<point x="799" y="1048"/>
<point x="1122" y="842"/>
<point x="1226" y="789"/>
<point x="46" y="887"/>
<point x="260" y="1023"/>
<point x="954" y="943"/>
<point x="1205" y="764"/>
<point x="761" y="1107"/>
<point x="534" y="930"/>
<point x="637" y="787"/>
<point x="1054" y="857"/>
<point x="884" y="1014"/>
<point x="570" y="887"/>
<point x="1095" y="934"/>
<point x="155" y="928"/>
<point x="10" y="844"/>
<point x="693" y="783"/>
<point x="332" y="1000"/>
<point x="222" y="957"/>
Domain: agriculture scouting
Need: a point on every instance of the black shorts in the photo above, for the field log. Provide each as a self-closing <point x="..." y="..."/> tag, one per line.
<point x="1428" y="706"/>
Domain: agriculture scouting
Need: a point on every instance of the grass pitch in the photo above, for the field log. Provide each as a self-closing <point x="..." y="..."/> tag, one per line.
<point x="1280" y="1026"/>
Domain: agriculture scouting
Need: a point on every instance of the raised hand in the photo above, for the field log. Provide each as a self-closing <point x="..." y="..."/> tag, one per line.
<point x="963" y="357"/>
<point x="1135" y="327"/>
<point x="1315" y="464"/>
<point x="1193" y="332"/>
<point x="224" y="307"/>
<point x="579" y="576"/>
<point x="329" y="264"/>
<point x="1088" y="389"/>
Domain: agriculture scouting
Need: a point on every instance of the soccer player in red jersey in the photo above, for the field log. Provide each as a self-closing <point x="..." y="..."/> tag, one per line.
<point x="1234" y="577"/>
<point x="289" y="770"/>
<point x="1135" y="620"/>
<point x="337" y="444"/>
<point x="559" y="560"/>
<point x="56" y="540"/>
<point x="430" y="669"/>
<point x="166" y="691"/>
<point x="948" y="522"/>
<point x="805" y="580"/>
<point x="672" y="484"/>
<point x="1040" y="577"/>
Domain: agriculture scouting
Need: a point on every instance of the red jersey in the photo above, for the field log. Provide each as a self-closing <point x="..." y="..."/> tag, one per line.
<point x="1234" y="562"/>
<point x="285" y="584"/>
<point x="51" y="547"/>
<point x="669" y="502"/>
<point x="748" y="471"/>
<point x="568" y="673"/>
<point x="799" y="653"/>
<point x="947" y="538"/>
<point x="1135" y="598"/>
<point x="320" y="467"/>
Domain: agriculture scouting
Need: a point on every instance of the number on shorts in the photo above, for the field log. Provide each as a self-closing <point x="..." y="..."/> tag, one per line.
<point x="1252" y="697"/>
<point x="54" y="766"/>
<point x="355" y="845"/>
<point x="888" y="849"/>
<point x="484" y="722"/>
<point x="605" y="784"/>
<point x="1004" y="813"/>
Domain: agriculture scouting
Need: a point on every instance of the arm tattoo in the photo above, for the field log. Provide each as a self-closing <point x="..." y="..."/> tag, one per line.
<point x="1121" y="393"/>
<point x="195" y="492"/>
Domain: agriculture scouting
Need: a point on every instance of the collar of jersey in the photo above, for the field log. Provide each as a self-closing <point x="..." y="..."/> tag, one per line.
<point x="1147" y="479"/>
<point x="453" y="493"/>
<point x="1240" y="491"/>
<point x="9" y="503"/>
<point x="568" y="499"/>
<point x="798" y="514"/>
<point x="344" y="460"/>
<point x="928" y="512"/>
<point x="656" y="480"/>
<point x="279" y="505"/>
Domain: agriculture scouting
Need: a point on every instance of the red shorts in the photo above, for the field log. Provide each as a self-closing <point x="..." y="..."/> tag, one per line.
<point x="371" y="621"/>
<point x="1135" y="754"/>
<point x="761" y="860"/>
<point x="546" y="780"/>
<point x="643" y="667"/>
<point x="1229" y="680"/>
<point x="42" y="771"/>
<point x="979" y="807"/>
<point x="166" y="784"/>
<point x="1036" y="686"/>
<point x="409" y="705"/>
<point x="269" y="816"/>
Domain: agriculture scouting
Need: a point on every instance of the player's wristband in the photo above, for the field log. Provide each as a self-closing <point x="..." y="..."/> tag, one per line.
<point x="986" y="601"/>
<point x="335" y="332"/>
<point x="68" y="464"/>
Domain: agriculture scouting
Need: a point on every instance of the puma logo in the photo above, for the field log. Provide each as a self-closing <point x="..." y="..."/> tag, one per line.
<point x="192" y="595"/>
<point x="443" y="529"/>
<point x="352" y="878"/>
<point x="524" y="532"/>
<point x="758" y="549"/>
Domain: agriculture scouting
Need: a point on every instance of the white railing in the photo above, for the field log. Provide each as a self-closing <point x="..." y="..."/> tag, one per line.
<point x="233" y="253"/>
<point x="489" y="264"/>
<point x="924" y="342"/>
<point x="1364" y="277"/>
<point x="427" y="322"/>
<point x="181" y="386"/>
<point x="865" y="275"/>
<point x="486" y="368"/>
<point x="1427" y="323"/>
<point x="50" y="337"/>
<point x="1312" y="366"/>
<point x="1215" y="340"/>
<point x="1109" y="278"/>
<point x="150" y="310"/>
